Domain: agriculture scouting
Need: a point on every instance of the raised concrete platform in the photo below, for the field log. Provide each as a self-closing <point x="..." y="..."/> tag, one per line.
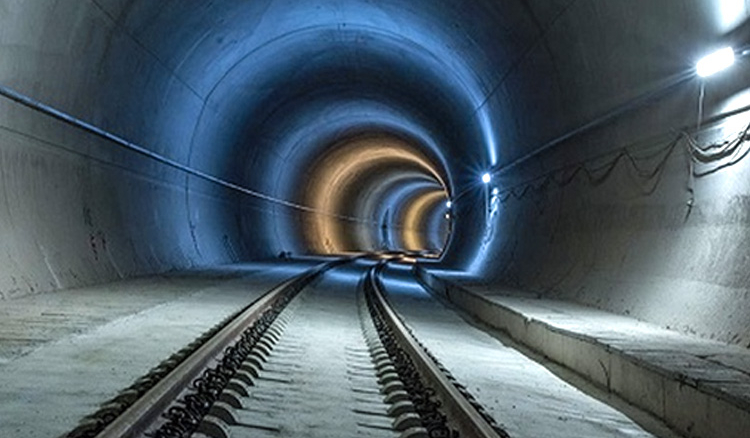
<point x="64" y="353"/>
<point x="699" y="387"/>
<point x="528" y="398"/>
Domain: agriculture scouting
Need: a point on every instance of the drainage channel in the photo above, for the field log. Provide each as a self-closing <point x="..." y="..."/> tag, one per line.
<point x="171" y="400"/>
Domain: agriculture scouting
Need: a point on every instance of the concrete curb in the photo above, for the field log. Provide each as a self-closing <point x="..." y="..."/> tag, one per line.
<point x="691" y="407"/>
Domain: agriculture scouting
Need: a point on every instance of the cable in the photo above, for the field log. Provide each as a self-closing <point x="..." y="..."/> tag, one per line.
<point x="728" y="150"/>
<point x="54" y="113"/>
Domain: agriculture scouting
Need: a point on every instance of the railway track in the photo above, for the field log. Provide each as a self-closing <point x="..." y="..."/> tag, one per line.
<point x="309" y="358"/>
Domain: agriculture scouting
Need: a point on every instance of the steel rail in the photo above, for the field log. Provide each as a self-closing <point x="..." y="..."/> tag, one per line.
<point x="146" y="411"/>
<point x="461" y="414"/>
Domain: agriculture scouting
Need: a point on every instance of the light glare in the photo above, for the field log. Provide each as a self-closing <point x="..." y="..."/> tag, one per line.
<point x="732" y="13"/>
<point x="448" y="204"/>
<point x="715" y="62"/>
<point x="486" y="178"/>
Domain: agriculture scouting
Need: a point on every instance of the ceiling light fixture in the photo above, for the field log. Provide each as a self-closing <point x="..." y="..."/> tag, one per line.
<point x="715" y="62"/>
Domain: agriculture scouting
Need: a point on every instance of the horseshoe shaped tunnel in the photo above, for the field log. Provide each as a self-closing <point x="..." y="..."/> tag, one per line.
<point x="563" y="151"/>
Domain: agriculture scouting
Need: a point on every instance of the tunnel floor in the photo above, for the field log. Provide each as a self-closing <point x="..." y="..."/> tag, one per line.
<point x="65" y="353"/>
<point x="317" y="382"/>
<point x="529" y="399"/>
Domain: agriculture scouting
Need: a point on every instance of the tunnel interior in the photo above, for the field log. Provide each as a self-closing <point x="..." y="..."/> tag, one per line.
<point x="142" y="138"/>
<point x="195" y="135"/>
<point x="379" y="177"/>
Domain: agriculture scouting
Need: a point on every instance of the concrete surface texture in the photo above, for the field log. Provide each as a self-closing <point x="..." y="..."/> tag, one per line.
<point x="68" y="367"/>
<point x="525" y="397"/>
<point x="697" y="386"/>
<point x="319" y="380"/>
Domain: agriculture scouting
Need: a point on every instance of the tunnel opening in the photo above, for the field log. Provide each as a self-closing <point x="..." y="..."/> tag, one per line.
<point x="370" y="191"/>
<point x="424" y="222"/>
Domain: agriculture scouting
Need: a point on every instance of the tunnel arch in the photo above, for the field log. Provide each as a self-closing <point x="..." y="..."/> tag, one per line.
<point x="544" y="84"/>
<point x="339" y="184"/>
<point x="384" y="86"/>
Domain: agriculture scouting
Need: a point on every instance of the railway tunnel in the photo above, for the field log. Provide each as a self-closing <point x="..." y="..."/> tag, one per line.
<point x="559" y="190"/>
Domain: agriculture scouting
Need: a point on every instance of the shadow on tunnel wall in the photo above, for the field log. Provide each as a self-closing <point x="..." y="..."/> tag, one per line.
<point x="645" y="214"/>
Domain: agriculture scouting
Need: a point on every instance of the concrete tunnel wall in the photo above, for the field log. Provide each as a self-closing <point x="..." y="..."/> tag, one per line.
<point x="618" y="215"/>
<point x="240" y="89"/>
<point x="186" y="82"/>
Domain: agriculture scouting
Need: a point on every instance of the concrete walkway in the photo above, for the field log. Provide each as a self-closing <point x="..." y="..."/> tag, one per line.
<point x="525" y="397"/>
<point x="65" y="353"/>
<point x="699" y="387"/>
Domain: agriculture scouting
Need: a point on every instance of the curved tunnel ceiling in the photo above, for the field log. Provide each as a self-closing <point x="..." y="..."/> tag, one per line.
<point x="294" y="90"/>
<point x="245" y="98"/>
